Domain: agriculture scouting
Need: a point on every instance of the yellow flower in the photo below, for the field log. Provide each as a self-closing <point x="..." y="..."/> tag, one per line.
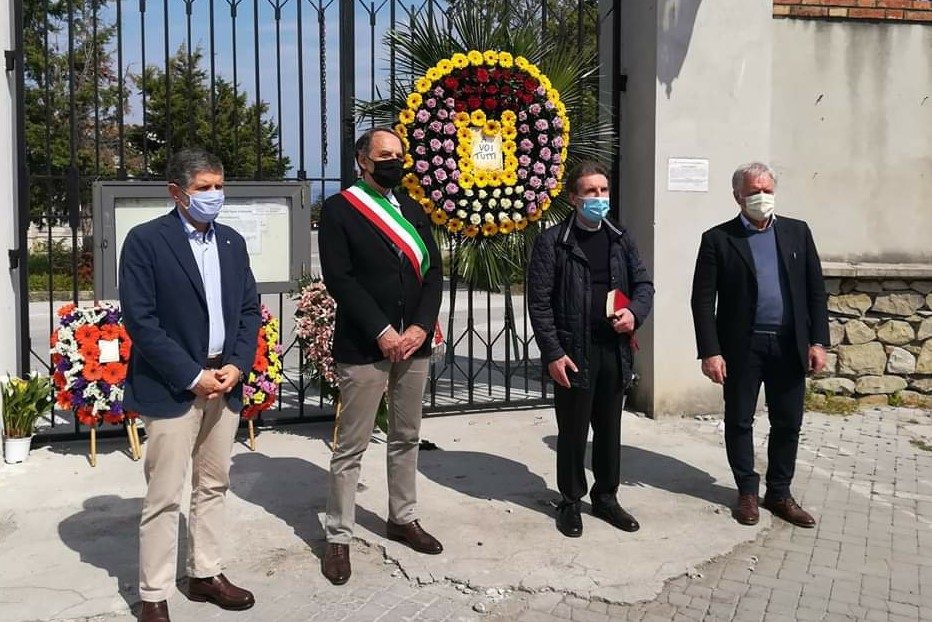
<point x="432" y="74"/>
<point x="544" y="81"/>
<point x="459" y="60"/>
<point x="480" y="178"/>
<point x="414" y="101"/>
<point x="495" y="178"/>
<point x="521" y="63"/>
<point x="511" y="162"/>
<point x="491" y="57"/>
<point x="417" y="193"/>
<point x="464" y="134"/>
<point x="535" y="216"/>
<point x="409" y="161"/>
<point x="258" y="397"/>
<point x="465" y="165"/>
<point x="506" y="226"/>
<point x="401" y="129"/>
<point x="521" y="224"/>
<point x="509" y="178"/>
<point x="489" y="229"/>
<point x="406" y="116"/>
<point x="509" y="117"/>
<point x="427" y="205"/>
<point x="463" y="150"/>
<point x="492" y="128"/>
<point x="533" y="71"/>
<point x="552" y="94"/>
<point x="475" y="57"/>
<point x="545" y="205"/>
<point x="466" y="181"/>
<point x="461" y="119"/>
<point x="559" y="187"/>
<point x="505" y="59"/>
<point x="563" y="154"/>
<point x="454" y="225"/>
<point x="444" y="66"/>
<point x="478" y="118"/>
<point x="509" y="132"/>
<point x="410" y="181"/>
<point x="422" y="85"/>
<point x="509" y="146"/>
<point x="438" y="217"/>
<point x="471" y="231"/>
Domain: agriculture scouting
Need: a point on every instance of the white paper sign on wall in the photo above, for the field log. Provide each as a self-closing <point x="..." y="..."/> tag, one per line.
<point x="688" y="174"/>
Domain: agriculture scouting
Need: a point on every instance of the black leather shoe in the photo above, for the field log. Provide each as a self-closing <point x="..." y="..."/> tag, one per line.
<point x="219" y="591"/>
<point x="335" y="565"/>
<point x="414" y="536"/>
<point x="615" y="515"/>
<point x="569" y="521"/>
<point x="154" y="612"/>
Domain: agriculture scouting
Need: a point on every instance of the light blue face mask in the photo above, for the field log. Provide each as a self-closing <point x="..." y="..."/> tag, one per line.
<point x="205" y="206"/>
<point x="594" y="209"/>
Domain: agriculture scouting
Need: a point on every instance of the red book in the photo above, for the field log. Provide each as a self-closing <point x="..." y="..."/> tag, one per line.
<point x="615" y="302"/>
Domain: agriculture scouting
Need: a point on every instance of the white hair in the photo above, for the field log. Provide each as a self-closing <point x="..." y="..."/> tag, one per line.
<point x="753" y="170"/>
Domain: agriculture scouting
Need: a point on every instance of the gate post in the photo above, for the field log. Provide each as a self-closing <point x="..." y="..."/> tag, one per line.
<point x="347" y="90"/>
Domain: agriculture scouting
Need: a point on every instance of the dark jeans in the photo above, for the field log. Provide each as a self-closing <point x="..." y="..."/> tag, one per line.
<point x="599" y="405"/>
<point x="773" y="360"/>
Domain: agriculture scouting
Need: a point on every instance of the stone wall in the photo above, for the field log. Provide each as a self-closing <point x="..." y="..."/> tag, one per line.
<point x="881" y="338"/>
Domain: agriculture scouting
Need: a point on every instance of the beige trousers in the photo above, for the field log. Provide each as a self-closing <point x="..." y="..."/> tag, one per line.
<point x="361" y="388"/>
<point x="202" y="437"/>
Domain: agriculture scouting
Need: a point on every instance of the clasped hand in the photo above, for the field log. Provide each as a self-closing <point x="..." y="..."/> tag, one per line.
<point x="216" y="382"/>
<point x="623" y="321"/>
<point x="397" y="347"/>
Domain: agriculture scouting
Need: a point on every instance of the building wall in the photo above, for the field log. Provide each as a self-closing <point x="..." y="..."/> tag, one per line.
<point x="852" y="135"/>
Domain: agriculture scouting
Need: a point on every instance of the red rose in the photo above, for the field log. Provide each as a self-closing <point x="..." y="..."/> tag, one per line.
<point x="451" y="83"/>
<point x="459" y="106"/>
<point x="489" y="104"/>
<point x="473" y="102"/>
<point x="491" y="90"/>
<point x="482" y="74"/>
<point x="527" y="98"/>
<point x="530" y="84"/>
<point x="506" y="90"/>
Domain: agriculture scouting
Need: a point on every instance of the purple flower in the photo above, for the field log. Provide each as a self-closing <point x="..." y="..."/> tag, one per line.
<point x="455" y="176"/>
<point x="524" y="160"/>
<point x="545" y="153"/>
<point x="450" y="103"/>
<point x="427" y="180"/>
<point x="434" y="144"/>
<point x="522" y="173"/>
<point x="430" y="102"/>
<point x="452" y="188"/>
<point x="530" y="195"/>
<point x="541" y="91"/>
<point x="549" y="105"/>
<point x="558" y="142"/>
<point x="543" y="139"/>
<point x="422" y="116"/>
<point x="522" y="116"/>
<point x="541" y="125"/>
<point x="418" y="134"/>
<point x="442" y="114"/>
<point x="449" y="129"/>
<point x="449" y="146"/>
<point x="535" y="181"/>
<point x="531" y="208"/>
<point x="421" y="166"/>
<point x="554" y="169"/>
<point x="435" y="126"/>
<point x="437" y="160"/>
<point x="551" y="183"/>
<point x="543" y="197"/>
<point x="539" y="169"/>
<point x="439" y="92"/>
<point x="525" y="144"/>
<point x="450" y="163"/>
<point x="524" y="128"/>
<point x="440" y="175"/>
<point x="534" y="109"/>
<point x="449" y="206"/>
<point x="436" y="195"/>
<point x="558" y="123"/>
<point x="420" y="150"/>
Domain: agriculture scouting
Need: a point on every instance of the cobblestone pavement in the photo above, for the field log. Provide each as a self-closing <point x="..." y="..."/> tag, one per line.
<point x="868" y="480"/>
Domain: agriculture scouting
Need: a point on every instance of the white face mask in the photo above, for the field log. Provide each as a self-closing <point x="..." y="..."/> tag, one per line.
<point x="759" y="206"/>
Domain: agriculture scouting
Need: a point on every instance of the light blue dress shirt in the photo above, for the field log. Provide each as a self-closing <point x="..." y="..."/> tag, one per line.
<point x="207" y="258"/>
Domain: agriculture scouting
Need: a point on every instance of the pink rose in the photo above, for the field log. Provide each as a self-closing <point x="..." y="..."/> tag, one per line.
<point x="437" y="160"/>
<point x="535" y="181"/>
<point x="427" y="180"/>
<point x="418" y="134"/>
<point x="421" y="166"/>
<point x="551" y="183"/>
<point x="422" y="116"/>
<point x="525" y="144"/>
<point x="420" y="150"/>
<point x="539" y="168"/>
<point x="450" y="163"/>
<point x="522" y="116"/>
<point x="541" y="124"/>
<point x="530" y="195"/>
<point x="436" y="195"/>
<point x="542" y="139"/>
<point x="524" y="160"/>
<point x="434" y="144"/>
<point x="522" y="173"/>
<point x="440" y="175"/>
<point x="534" y="109"/>
<point x="435" y="126"/>
<point x="450" y="103"/>
<point x="430" y="102"/>
<point x="449" y="129"/>
<point x="442" y="114"/>
<point x="452" y="188"/>
<point x="449" y="206"/>
<point x="449" y="146"/>
<point x="524" y="128"/>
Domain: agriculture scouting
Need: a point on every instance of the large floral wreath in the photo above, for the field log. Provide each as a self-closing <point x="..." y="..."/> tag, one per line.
<point x="90" y="353"/>
<point x="315" y="318"/>
<point x="261" y="387"/>
<point x="487" y="137"/>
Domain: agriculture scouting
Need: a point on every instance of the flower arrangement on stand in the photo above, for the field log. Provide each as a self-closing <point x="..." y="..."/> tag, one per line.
<point x="90" y="353"/>
<point x="486" y="123"/>
<point x="25" y="400"/>
<point x="262" y="384"/>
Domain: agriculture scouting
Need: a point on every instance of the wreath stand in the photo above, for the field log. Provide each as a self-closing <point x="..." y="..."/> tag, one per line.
<point x="132" y="435"/>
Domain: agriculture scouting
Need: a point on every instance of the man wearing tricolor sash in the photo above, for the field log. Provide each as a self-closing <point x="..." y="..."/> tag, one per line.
<point x="382" y="266"/>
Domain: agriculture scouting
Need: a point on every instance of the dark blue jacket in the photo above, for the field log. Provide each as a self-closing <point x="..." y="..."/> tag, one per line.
<point x="165" y="312"/>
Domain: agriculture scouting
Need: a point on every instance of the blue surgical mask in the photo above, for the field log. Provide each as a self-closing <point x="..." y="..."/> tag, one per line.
<point x="594" y="209"/>
<point x="205" y="206"/>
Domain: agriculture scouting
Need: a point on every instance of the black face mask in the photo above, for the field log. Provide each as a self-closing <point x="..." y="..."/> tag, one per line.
<point x="388" y="173"/>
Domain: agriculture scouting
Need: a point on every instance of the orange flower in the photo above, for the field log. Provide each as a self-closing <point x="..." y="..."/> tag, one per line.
<point x="125" y="349"/>
<point x="66" y="309"/>
<point x="110" y="332"/>
<point x="89" y="350"/>
<point x="261" y="364"/>
<point x="87" y="333"/>
<point x="471" y="231"/>
<point x="93" y="370"/>
<point x="113" y="373"/>
<point x="53" y="340"/>
<point x="64" y="400"/>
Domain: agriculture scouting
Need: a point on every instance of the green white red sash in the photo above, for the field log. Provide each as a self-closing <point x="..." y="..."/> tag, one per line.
<point x="388" y="219"/>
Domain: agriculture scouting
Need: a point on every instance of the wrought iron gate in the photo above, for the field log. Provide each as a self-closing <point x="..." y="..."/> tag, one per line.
<point x="108" y="88"/>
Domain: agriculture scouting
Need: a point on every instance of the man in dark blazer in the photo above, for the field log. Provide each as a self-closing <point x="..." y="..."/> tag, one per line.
<point x="588" y="352"/>
<point x="190" y="306"/>
<point x="382" y="267"/>
<point x="770" y="326"/>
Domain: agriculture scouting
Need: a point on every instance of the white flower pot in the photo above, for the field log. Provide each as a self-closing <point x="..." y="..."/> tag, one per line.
<point x="16" y="450"/>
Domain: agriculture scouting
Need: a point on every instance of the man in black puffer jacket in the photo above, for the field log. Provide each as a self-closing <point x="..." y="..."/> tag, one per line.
<point x="588" y="352"/>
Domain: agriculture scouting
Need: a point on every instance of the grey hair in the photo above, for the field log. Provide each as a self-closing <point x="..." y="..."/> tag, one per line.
<point x="364" y="142"/>
<point x="185" y="163"/>
<point x="751" y="169"/>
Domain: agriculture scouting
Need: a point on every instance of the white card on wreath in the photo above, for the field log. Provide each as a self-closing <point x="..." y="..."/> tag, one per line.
<point x="109" y="350"/>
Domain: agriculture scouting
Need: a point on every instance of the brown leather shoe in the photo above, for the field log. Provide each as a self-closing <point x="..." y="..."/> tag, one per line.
<point x="335" y="565"/>
<point x="154" y="612"/>
<point x="219" y="591"/>
<point x="746" y="511"/>
<point x="414" y="536"/>
<point x="789" y="510"/>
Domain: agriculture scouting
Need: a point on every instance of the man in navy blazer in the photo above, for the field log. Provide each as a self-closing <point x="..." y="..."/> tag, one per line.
<point x="190" y="306"/>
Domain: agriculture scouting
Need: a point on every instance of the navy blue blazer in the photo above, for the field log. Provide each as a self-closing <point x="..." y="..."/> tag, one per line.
<point x="165" y="312"/>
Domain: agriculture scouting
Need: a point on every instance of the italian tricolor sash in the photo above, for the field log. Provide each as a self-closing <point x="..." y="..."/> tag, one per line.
<point x="388" y="219"/>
